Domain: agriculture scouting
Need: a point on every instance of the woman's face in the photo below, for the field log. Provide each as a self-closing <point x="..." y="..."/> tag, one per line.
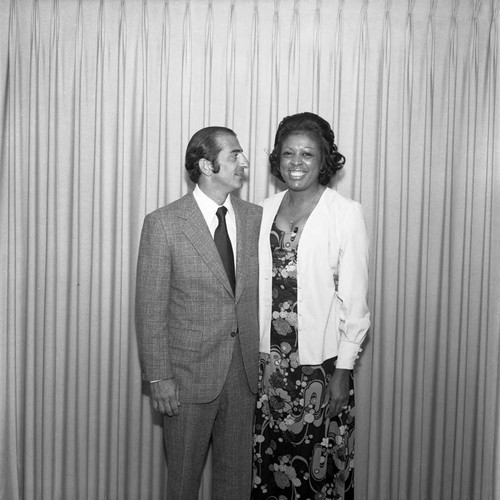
<point x="300" y="162"/>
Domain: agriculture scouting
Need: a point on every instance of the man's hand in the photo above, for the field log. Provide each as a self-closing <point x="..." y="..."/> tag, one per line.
<point x="165" y="396"/>
<point x="337" y="393"/>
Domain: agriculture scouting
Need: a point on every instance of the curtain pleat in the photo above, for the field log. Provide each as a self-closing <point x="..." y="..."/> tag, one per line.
<point x="98" y="102"/>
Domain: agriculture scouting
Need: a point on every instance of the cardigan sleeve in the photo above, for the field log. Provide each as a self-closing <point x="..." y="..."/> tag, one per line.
<point x="352" y="286"/>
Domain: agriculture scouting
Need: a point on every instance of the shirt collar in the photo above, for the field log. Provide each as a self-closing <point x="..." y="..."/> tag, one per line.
<point x="208" y="206"/>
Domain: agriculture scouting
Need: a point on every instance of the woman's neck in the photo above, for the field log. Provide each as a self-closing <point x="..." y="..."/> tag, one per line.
<point x="300" y="199"/>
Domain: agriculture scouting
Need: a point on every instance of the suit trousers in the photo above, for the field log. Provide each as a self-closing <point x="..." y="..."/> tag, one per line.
<point x="227" y="422"/>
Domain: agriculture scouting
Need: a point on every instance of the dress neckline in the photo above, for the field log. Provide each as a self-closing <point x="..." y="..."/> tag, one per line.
<point x="286" y="241"/>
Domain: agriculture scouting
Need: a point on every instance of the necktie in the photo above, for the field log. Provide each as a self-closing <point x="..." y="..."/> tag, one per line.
<point x="223" y="244"/>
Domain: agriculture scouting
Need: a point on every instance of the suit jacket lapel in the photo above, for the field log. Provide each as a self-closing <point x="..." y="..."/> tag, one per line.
<point x="196" y="230"/>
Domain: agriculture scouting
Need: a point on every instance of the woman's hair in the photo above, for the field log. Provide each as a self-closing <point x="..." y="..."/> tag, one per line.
<point x="204" y="144"/>
<point x="318" y="128"/>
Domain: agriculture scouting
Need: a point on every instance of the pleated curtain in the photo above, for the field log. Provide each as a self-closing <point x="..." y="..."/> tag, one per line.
<point x="98" y="100"/>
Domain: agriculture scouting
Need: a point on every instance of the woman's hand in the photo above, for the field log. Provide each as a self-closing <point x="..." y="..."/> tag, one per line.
<point x="337" y="393"/>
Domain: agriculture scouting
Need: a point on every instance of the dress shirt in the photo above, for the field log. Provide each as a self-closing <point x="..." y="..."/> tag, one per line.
<point x="209" y="208"/>
<point x="332" y="321"/>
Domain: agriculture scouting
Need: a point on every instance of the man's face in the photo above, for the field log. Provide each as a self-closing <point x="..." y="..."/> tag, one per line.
<point x="232" y="163"/>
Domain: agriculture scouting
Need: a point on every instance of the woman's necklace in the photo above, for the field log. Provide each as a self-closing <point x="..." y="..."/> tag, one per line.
<point x="294" y="223"/>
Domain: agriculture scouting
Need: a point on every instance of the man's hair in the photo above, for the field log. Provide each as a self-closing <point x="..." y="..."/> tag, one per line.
<point x="204" y="144"/>
<point x="318" y="128"/>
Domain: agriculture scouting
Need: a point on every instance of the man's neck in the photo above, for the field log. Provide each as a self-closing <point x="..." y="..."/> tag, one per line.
<point x="217" y="196"/>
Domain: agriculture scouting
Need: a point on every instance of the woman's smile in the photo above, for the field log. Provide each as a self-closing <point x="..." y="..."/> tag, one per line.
<point x="296" y="174"/>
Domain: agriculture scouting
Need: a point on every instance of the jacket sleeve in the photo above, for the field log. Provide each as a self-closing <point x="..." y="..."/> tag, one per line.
<point x="353" y="286"/>
<point x="151" y="301"/>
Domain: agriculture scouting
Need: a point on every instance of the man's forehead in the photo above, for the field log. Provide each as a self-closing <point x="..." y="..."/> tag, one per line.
<point x="229" y="142"/>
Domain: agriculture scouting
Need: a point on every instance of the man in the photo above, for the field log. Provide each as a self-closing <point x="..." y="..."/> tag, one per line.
<point x="196" y="313"/>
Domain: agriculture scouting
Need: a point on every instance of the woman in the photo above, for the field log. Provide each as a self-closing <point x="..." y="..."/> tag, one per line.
<point x="313" y="257"/>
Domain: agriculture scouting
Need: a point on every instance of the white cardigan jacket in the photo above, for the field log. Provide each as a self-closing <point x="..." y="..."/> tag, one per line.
<point x="333" y="243"/>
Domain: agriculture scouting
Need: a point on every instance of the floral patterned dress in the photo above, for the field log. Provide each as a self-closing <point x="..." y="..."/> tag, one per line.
<point x="298" y="452"/>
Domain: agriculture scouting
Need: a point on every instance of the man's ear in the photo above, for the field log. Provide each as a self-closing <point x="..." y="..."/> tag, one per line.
<point x="206" y="167"/>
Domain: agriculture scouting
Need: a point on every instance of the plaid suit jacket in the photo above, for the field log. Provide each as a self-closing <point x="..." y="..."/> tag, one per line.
<point x="187" y="317"/>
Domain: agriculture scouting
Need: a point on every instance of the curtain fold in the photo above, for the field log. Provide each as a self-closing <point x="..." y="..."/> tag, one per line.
<point x="98" y="102"/>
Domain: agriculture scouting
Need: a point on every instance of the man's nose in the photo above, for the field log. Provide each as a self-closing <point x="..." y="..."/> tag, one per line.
<point x="244" y="161"/>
